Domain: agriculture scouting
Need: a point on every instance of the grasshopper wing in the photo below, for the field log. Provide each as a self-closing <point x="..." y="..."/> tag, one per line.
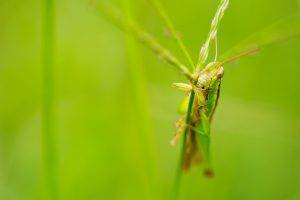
<point x="203" y="137"/>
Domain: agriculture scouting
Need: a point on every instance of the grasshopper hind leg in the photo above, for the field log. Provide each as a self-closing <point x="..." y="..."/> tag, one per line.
<point x="192" y="154"/>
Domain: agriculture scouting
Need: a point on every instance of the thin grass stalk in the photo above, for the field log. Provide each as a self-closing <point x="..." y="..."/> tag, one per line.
<point x="177" y="182"/>
<point x="141" y="106"/>
<point x="167" y="20"/>
<point x="48" y="133"/>
<point x="143" y="36"/>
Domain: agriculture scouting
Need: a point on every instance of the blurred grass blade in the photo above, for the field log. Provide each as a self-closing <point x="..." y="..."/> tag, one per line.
<point x="166" y="19"/>
<point x="48" y="133"/>
<point x="125" y="24"/>
<point x="138" y="90"/>
<point x="283" y="29"/>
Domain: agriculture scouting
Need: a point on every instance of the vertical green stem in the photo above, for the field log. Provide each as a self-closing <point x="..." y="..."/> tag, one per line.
<point x="176" y="186"/>
<point x="48" y="137"/>
<point x="141" y="107"/>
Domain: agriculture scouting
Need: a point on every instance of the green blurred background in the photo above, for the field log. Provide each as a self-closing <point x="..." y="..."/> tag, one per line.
<point x="115" y="108"/>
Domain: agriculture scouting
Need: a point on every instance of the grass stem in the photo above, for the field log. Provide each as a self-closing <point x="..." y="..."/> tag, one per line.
<point x="48" y="137"/>
<point x="140" y="103"/>
<point x="176" y="186"/>
<point x="162" y="13"/>
<point x="143" y="36"/>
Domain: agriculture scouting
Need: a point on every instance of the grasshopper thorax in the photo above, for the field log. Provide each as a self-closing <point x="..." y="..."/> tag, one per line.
<point x="212" y="72"/>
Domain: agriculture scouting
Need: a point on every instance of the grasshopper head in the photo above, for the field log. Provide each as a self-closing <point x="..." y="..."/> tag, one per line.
<point x="212" y="72"/>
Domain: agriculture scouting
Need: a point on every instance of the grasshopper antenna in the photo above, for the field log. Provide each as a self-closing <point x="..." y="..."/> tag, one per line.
<point x="238" y="56"/>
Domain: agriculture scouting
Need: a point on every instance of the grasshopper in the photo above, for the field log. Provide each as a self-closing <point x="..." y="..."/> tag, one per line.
<point x="204" y="82"/>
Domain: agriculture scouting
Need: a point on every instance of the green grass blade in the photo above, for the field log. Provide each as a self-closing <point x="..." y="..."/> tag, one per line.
<point x="166" y="19"/>
<point x="138" y="90"/>
<point x="176" y="186"/>
<point x="48" y="133"/>
<point x="283" y="29"/>
<point x="146" y="38"/>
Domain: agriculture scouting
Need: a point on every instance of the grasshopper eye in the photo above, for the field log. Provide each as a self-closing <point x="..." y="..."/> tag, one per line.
<point x="203" y="87"/>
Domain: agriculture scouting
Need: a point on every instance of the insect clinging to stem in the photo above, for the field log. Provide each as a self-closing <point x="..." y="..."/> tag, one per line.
<point x="204" y="78"/>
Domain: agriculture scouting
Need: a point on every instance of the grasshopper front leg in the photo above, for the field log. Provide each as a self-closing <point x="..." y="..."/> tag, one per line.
<point x="213" y="99"/>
